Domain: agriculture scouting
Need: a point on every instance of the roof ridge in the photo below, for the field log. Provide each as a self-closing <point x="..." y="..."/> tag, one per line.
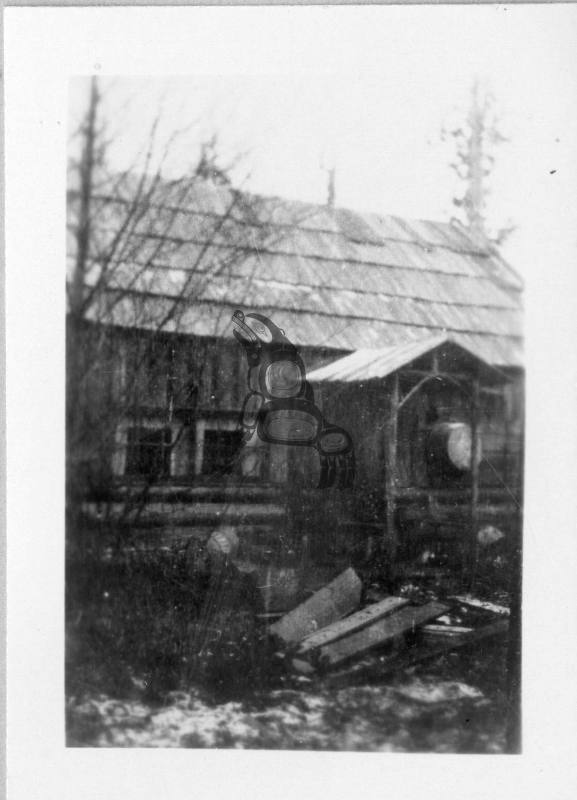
<point x="449" y="225"/>
<point x="434" y="278"/>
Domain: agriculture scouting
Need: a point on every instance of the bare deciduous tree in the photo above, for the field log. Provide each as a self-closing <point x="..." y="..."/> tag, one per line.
<point x="144" y="253"/>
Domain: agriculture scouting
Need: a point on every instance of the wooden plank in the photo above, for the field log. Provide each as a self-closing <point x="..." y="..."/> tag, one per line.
<point x="446" y="630"/>
<point x="373" y="668"/>
<point x="355" y="622"/>
<point x="433" y="634"/>
<point x="420" y="653"/>
<point x="482" y="605"/>
<point x="379" y="633"/>
<point x="328" y="605"/>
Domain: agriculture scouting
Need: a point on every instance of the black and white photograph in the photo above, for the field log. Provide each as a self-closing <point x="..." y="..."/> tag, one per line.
<point x="294" y="428"/>
<point x="295" y="352"/>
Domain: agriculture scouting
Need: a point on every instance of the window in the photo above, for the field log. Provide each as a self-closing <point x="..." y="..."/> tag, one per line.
<point x="220" y="450"/>
<point x="148" y="452"/>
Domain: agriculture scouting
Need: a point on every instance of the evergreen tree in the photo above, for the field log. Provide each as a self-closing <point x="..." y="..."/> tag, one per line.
<point x="476" y="141"/>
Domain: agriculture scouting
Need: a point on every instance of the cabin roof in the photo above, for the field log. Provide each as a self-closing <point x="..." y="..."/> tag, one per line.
<point x="366" y="365"/>
<point x="331" y="277"/>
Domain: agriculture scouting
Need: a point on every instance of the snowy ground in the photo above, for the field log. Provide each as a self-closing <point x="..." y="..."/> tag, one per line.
<point x="132" y="682"/>
<point x="416" y="712"/>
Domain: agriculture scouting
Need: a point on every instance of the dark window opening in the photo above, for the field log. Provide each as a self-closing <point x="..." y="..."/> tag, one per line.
<point x="148" y="452"/>
<point x="220" y="451"/>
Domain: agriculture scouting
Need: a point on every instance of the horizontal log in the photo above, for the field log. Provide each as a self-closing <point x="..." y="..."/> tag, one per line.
<point x="328" y="605"/>
<point x="349" y="625"/>
<point x="379" y="633"/>
<point x="458" y="514"/>
<point x="415" y="492"/>
<point x="190" y="494"/>
<point x="175" y="514"/>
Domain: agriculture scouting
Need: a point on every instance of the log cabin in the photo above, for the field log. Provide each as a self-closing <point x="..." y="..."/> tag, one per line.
<point x="411" y="334"/>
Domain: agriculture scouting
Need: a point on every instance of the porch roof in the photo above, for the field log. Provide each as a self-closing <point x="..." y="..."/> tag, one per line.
<point x="365" y="365"/>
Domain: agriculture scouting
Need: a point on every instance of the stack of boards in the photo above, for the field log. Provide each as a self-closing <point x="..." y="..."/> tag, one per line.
<point x="327" y="632"/>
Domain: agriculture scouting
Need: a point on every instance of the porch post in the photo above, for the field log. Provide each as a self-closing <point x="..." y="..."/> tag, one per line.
<point x="471" y="571"/>
<point x="391" y="433"/>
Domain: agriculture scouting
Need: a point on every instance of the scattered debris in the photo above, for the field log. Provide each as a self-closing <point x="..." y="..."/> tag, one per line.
<point x="349" y="625"/>
<point x="334" y="601"/>
<point x="485" y="605"/>
<point x="489" y="535"/>
<point x="326" y="638"/>
<point x="432" y="633"/>
<point x="222" y="544"/>
<point x="379" y="633"/>
<point x="377" y="666"/>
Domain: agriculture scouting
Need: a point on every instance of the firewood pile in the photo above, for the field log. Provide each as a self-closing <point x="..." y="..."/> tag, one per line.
<point x="332" y="638"/>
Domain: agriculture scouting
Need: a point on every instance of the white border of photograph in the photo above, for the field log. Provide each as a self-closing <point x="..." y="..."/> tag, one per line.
<point x="44" y="47"/>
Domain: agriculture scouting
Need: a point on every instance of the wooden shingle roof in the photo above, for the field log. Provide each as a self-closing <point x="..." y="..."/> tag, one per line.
<point x="330" y="277"/>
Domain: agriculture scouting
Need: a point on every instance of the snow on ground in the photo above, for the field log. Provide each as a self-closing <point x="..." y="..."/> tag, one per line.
<point x="417" y="714"/>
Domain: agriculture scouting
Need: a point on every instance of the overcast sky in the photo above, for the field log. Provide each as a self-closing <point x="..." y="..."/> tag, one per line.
<point x="373" y="103"/>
